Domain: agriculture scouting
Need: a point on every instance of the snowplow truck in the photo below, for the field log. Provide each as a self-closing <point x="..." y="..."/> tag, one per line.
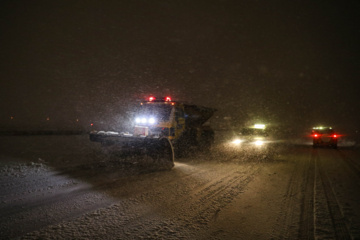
<point x="163" y="129"/>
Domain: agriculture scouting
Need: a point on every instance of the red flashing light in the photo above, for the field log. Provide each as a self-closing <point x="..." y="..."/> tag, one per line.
<point x="167" y="99"/>
<point x="151" y="99"/>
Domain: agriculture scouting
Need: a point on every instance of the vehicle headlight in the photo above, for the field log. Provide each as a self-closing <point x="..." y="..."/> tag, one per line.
<point x="259" y="142"/>
<point x="237" y="141"/>
<point x="152" y="120"/>
<point x="145" y="120"/>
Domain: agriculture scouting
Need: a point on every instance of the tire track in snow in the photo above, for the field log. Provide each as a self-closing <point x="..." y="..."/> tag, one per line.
<point x="181" y="215"/>
<point x="286" y="223"/>
<point x="306" y="229"/>
<point x="353" y="166"/>
<point x="208" y="199"/>
<point x="337" y="218"/>
<point x="197" y="210"/>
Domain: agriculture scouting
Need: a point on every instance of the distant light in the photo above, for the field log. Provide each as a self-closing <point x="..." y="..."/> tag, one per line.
<point x="143" y="120"/>
<point x="335" y="136"/>
<point x="315" y="135"/>
<point x="47" y="119"/>
<point x="237" y="141"/>
<point x="77" y="119"/>
<point x="137" y="120"/>
<point x="259" y="126"/>
<point x="321" y="127"/>
<point x="151" y="99"/>
<point x="91" y="124"/>
<point x="167" y="99"/>
<point x="12" y="118"/>
<point x="259" y="142"/>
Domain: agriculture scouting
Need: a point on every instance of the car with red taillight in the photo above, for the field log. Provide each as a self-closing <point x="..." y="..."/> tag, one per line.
<point x="324" y="136"/>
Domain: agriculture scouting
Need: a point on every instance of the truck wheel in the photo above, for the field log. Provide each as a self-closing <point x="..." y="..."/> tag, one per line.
<point x="162" y="152"/>
<point x="182" y="148"/>
<point x="207" y="141"/>
<point x="106" y="143"/>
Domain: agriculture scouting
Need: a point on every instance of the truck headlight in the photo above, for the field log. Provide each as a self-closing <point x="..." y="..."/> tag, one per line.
<point x="145" y="120"/>
<point x="152" y="120"/>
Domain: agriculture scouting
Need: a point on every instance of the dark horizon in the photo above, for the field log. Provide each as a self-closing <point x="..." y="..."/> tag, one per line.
<point x="286" y="63"/>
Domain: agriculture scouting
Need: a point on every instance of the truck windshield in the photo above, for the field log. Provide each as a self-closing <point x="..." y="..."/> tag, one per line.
<point x="253" y="132"/>
<point x="160" y="111"/>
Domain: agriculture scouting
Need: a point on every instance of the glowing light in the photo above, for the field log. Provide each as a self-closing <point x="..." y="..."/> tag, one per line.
<point x="259" y="143"/>
<point x="319" y="128"/>
<point x="237" y="141"/>
<point x="137" y="120"/>
<point x="151" y="99"/>
<point x="335" y="136"/>
<point x="91" y="124"/>
<point x="315" y="135"/>
<point x="143" y="120"/>
<point x="151" y="120"/>
<point x="167" y="99"/>
<point x="259" y="126"/>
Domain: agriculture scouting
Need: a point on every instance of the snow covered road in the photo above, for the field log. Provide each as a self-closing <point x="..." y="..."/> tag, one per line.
<point x="66" y="187"/>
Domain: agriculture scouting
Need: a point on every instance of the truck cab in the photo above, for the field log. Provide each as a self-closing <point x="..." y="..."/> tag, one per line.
<point x="160" y="118"/>
<point x="181" y="123"/>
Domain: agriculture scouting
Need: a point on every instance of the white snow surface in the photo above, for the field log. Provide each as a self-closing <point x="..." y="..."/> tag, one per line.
<point x="66" y="187"/>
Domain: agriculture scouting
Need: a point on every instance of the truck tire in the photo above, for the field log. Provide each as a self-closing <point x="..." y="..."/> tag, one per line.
<point x="162" y="152"/>
<point x="106" y="143"/>
<point x="206" y="141"/>
<point x="183" y="145"/>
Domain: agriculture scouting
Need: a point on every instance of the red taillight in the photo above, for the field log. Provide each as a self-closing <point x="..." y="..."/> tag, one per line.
<point x="334" y="136"/>
<point x="315" y="135"/>
<point x="151" y="99"/>
<point x="167" y="99"/>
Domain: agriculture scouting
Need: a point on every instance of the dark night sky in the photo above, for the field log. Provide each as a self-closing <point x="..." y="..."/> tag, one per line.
<point x="280" y="61"/>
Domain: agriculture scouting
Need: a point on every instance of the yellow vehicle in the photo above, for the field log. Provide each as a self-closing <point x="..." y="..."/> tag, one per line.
<point x="165" y="127"/>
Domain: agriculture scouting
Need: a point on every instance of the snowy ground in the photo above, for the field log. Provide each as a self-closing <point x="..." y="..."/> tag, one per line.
<point x="66" y="187"/>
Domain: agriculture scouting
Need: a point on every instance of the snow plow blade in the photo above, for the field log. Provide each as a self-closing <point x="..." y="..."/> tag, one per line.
<point x="159" y="150"/>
